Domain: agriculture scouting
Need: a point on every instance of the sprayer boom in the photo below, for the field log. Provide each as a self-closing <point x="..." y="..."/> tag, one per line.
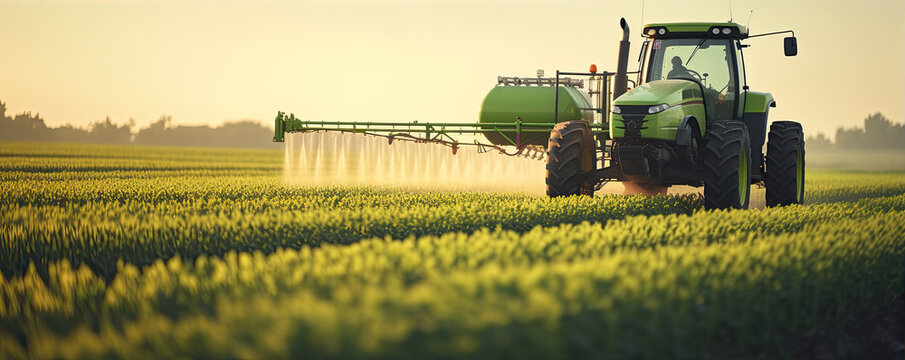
<point x="440" y="133"/>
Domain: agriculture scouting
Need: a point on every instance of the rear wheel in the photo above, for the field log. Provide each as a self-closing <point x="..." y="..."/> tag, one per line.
<point x="727" y="163"/>
<point x="570" y="157"/>
<point x="784" y="177"/>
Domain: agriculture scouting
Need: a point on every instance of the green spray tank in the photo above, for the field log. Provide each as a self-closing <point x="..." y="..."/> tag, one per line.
<point x="531" y="101"/>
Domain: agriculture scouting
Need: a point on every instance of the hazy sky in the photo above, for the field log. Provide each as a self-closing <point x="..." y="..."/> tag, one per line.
<point x="430" y="60"/>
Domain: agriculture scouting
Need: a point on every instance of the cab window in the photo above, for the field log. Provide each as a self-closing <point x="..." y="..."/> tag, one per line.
<point x="708" y="62"/>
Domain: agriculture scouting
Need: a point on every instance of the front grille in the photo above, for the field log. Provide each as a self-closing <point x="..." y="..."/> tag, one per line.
<point x="633" y="109"/>
<point x="633" y="124"/>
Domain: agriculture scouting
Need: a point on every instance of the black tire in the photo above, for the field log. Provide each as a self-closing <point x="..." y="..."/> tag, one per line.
<point x="570" y="156"/>
<point x="784" y="177"/>
<point x="727" y="166"/>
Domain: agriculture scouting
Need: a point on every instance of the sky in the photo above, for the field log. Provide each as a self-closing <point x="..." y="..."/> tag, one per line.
<point x="206" y="62"/>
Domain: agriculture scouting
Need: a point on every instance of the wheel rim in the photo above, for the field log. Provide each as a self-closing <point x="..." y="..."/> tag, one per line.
<point x="743" y="177"/>
<point x="799" y="175"/>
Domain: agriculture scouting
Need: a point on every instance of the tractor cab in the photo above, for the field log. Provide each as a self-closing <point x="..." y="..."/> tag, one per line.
<point x="708" y="59"/>
<point x="705" y="56"/>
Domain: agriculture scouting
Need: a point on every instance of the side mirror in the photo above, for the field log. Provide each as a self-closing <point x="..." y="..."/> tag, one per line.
<point x="790" y="45"/>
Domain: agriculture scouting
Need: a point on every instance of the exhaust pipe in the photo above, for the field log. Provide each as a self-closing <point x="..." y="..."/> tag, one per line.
<point x="620" y="80"/>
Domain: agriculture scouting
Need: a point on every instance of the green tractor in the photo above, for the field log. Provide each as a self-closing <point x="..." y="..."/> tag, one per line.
<point x="689" y="120"/>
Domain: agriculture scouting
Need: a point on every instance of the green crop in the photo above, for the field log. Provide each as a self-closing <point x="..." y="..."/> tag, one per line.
<point x="165" y="253"/>
<point x="723" y="283"/>
<point x="139" y="214"/>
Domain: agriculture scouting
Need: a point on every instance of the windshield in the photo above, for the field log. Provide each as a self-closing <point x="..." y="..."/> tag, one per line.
<point x="706" y="61"/>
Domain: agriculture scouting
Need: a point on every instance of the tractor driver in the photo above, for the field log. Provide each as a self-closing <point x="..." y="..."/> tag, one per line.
<point x="678" y="70"/>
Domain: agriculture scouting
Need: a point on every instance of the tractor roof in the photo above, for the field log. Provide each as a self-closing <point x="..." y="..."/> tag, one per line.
<point x="716" y="30"/>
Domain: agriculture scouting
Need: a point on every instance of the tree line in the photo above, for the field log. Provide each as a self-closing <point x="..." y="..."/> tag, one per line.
<point x="26" y="126"/>
<point x="878" y="133"/>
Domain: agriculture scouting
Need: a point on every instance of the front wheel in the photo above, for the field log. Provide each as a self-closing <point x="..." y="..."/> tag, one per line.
<point x="784" y="177"/>
<point x="570" y="158"/>
<point x="727" y="163"/>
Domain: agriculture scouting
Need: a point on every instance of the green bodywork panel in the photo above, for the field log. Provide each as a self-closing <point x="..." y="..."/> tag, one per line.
<point x="696" y="27"/>
<point x="662" y="125"/>
<point x="658" y="92"/>
<point x="531" y="104"/>
<point x="758" y="102"/>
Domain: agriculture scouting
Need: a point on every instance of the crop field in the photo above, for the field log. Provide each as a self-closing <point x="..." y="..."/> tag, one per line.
<point x="124" y="251"/>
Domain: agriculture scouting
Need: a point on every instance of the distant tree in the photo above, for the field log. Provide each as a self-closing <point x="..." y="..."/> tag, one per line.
<point x="881" y="133"/>
<point x="246" y="134"/>
<point x="849" y="138"/>
<point x="106" y="132"/>
<point x="28" y="127"/>
<point x="69" y="133"/>
<point x="819" y="142"/>
<point x="6" y="123"/>
<point x="23" y="127"/>
<point x="878" y="133"/>
<point x="241" y="134"/>
<point x="154" y="134"/>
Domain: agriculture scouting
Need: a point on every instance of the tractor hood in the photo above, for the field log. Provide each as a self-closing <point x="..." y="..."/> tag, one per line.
<point x="636" y="120"/>
<point x="670" y="92"/>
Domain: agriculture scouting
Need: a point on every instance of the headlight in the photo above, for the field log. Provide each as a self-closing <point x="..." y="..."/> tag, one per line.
<point x="657" y="108"/>
<point x="616" y="110"/>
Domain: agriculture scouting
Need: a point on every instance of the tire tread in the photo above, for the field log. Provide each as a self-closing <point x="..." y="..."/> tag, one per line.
<point x="725" y="141"/>
<point x="564" y="154"/>
<point x="781" y="162"/>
